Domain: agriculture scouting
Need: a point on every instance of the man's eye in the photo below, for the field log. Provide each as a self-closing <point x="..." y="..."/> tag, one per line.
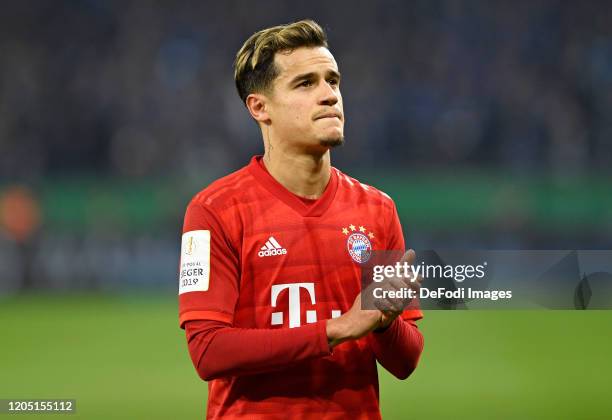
<point x="306" y="83"/>
<point x="333" y="81"/>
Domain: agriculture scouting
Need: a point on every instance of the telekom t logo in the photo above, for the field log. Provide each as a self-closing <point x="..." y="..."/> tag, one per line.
<point x="294" y="304"/>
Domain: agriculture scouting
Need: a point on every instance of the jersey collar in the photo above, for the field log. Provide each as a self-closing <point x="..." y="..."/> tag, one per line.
<point x="275" y="188"/>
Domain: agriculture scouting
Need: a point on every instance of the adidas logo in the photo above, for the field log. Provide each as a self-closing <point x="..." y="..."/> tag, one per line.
<point x="272" y="247"/>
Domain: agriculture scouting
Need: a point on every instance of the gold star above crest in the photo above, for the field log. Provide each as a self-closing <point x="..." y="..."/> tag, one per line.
<point x="353" y="228"/>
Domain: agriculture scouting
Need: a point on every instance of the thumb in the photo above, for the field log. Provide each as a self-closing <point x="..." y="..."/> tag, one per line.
<point x="409" y="257"/>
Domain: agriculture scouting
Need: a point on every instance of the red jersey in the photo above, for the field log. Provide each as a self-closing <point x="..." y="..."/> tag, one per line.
<point x="256" y="256"/>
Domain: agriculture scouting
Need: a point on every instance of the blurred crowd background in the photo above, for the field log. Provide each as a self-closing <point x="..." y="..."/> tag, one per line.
<point x="487" y="121"/>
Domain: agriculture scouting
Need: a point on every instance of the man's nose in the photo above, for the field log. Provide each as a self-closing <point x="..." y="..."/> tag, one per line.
<point x="329" y="95"/>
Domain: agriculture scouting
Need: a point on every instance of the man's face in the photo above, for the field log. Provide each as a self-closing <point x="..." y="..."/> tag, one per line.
<point x="305" y="105"/>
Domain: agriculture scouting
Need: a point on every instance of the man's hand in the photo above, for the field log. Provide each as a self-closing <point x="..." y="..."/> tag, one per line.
<point x="358" y="322"/>
<point x="353" y="324"/>
<point x="392" y="308"/>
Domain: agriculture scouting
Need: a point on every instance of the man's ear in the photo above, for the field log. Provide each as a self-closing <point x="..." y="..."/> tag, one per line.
<point x="256" y="103"/>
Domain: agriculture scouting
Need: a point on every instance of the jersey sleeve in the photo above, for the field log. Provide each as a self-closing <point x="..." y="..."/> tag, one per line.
<point x="398" y="348"/>
<point x="208" y="270"/>
<point x="395" y="241"/>
<point x="218" y="350"/>
<point x="395" y="236"/>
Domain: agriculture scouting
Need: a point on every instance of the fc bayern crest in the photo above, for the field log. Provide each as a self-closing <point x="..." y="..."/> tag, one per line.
<point x="358" y="242"/>
<point x="359" y="247"/>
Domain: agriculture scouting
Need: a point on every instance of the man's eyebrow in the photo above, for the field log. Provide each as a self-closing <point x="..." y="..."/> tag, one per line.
<point x="334" y="73"/>
<point x="306" y="76"/>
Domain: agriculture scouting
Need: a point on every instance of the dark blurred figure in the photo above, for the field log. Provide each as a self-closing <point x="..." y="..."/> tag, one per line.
<point x="20" y="221"/>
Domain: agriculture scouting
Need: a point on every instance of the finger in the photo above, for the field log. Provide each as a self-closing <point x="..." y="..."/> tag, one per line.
<point x="409" y="257"/>
<point x="396" y="284"/>
<point x="390" y="314"/>
<point x="396" y="304"/>
<point x="387" y="317"/>
<point x="420" y="279"/>
<point x="382" y="305"/>
<point x="401" y="285"/>
<point x="389" y="305"/>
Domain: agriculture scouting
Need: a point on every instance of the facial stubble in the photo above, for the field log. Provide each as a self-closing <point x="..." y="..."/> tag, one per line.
<point x="331" y="143"/>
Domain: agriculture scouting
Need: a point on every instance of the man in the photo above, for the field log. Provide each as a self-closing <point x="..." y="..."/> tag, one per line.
<point x="270" y="259"/>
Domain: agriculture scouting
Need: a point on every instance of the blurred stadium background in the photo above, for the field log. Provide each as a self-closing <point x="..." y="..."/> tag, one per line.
<point x="488" y="122"/>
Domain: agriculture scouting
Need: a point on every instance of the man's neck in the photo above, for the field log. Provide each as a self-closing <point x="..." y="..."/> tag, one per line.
<point x="302" y="174"/>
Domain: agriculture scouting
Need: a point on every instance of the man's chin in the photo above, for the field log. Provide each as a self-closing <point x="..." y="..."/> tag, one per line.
<point x="332" y="142"/>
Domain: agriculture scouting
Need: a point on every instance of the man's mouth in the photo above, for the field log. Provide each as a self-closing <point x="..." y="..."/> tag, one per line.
<point x="329" y="115"/>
